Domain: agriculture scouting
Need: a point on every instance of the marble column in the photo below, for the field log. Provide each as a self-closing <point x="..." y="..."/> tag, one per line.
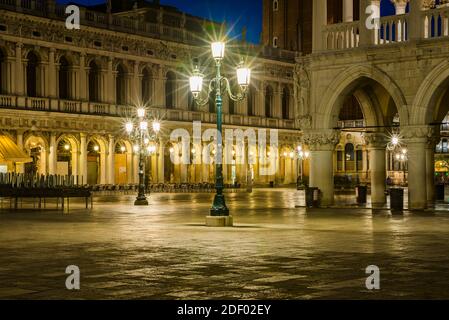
<point x="83" y="78"/>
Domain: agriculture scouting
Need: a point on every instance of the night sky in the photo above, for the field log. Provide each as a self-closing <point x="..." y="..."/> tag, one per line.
<point x="235" y="12"/>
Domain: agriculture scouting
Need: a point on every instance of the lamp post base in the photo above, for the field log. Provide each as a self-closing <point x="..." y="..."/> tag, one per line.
<point x="141" y="202"/>
<point x="219" y="208"/>
<point x="219" y="221"/>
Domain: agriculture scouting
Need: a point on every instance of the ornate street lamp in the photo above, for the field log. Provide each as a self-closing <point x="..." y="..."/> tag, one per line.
<point x="141" y="136"/>
<point x="219" y="84"/>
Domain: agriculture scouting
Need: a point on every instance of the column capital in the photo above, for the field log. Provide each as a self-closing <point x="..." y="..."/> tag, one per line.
<point x="376" y="140"/>
<point x="321" y="140"/>
<point x="417" y="134"/>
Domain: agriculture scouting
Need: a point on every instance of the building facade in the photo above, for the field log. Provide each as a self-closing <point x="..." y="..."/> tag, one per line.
<point x="66" y="94"/>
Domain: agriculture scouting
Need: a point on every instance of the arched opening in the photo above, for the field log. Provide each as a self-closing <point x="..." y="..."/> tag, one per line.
<point x="231" y="106"/>
<point x="269" y="102"/>
<point x="64" y="79"/>
<point x="120" y="86"/>
<point x="2" y="72"/>
<point x="32" y="74"/>
<point x="93" y="163"/>
<point x="147" y="87"/>
<point x="94" y="82"/>
<point x="286" y="104"/>
<point x="170" y="90"/>
<point x="122" y="162"/>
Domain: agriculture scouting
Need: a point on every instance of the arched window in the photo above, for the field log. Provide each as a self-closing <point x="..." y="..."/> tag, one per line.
<point x="147" y="86"/>
<point x="286" y="104"/>
<point x="120" y="86"/>
<point x="251" y="98"/>
<point x="349" y="157"/>
<point x="2" y="70"/>
<point x="31" y="70"/>
<point x="275" y="5"/>
<point x="63" y="79"/>
<point x="170" y="90"/>
<point x="94" y="82"/>
<point x="269" y="102"/>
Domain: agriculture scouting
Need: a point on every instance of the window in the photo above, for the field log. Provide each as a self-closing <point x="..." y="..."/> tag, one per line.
<point x="31" y="77"/>
<point x="170" y="90"/>
<point x="339" y="160"/>
<point x="63" y="79"/>
<point x="94" y="82"/>
<point x="359" y="155"/>
<point x="269" y="102"/>
<point x="275" y="42"/>
<point x="275" y="5"/>
<point x="147" y="86"/>
<point x="120" y="86"/>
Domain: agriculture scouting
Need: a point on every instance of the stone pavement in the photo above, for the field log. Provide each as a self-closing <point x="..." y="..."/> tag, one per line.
<point x="276" y="251"/>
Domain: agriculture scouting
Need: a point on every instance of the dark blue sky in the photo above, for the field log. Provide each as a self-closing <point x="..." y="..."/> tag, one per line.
<point x="236" y="12"/>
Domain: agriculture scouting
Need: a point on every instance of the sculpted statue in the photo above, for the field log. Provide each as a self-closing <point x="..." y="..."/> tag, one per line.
<point x="302" y="89"/>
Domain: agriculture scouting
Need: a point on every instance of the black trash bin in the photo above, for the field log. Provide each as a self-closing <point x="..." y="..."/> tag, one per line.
<point x="312" y="197"/>
<point x="397" y="199"/>
<point x="361" y="192"/>
<point x="439" y="192"/>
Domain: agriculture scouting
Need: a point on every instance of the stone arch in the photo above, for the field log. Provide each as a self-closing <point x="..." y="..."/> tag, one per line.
<point x="347" y="81"/>
<point x="100" y="154"/>
<point x="431" y="90"/>
<point x="37" y="147"/>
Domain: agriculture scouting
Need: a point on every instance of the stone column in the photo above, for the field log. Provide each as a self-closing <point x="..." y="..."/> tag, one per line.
<point x="52" y="155"/>
<point x="322" y="144"/>
<point x="159" y="93"/>
<point x="161" y="162"/>
<point x="83" y="80"/>
<point x="348" y="10"/>
<point x="376" y="144"/>
<point x="111" y="161"/>
<point x="415" y="25"/>
<point x="136" y="167"/>
<point x="52" y="74"/>
<point x="20" y="168"/>
<point x="83" y="158"/>
<point x="400" y="6"/>
<point x="110" y="96"/>
<point x="430" y="170"/>
<point x="319" y="21"/>
<point x="19" y="73"/>
<point x="367" y="36"/>
<point x="416" y="138"/>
